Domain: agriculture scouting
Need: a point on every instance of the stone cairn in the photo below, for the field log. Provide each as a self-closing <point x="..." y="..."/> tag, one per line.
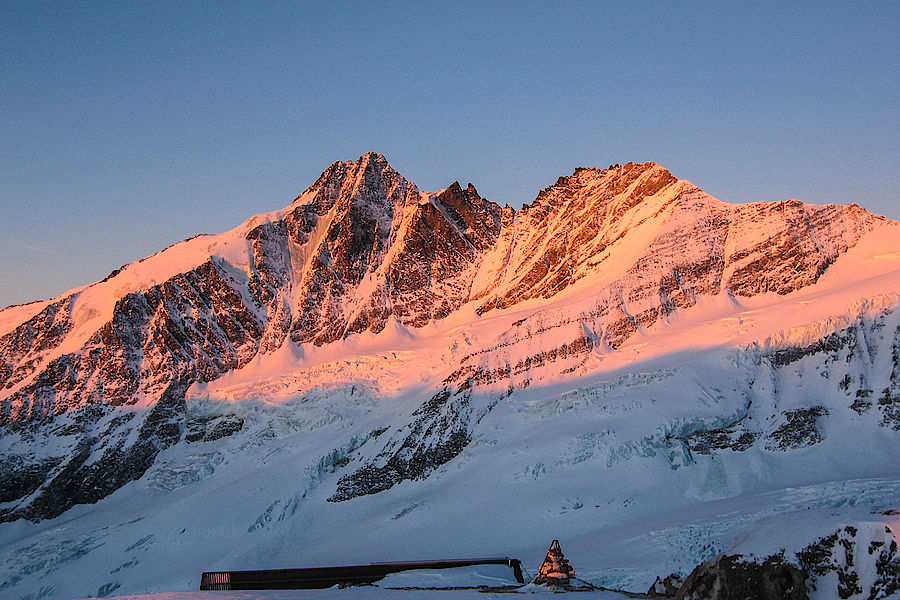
<point x="555" y="570"/>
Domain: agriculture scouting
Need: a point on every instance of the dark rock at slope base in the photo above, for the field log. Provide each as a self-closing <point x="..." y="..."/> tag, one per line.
<point x="20" y="477"/>
<point x="842" y="552"/>
<point x="104" y="458"/>
<point x="800" y="429"/>
<point x="732" y="578"/>
<point x="439" y="431"/>
<point x="851" y="562"/>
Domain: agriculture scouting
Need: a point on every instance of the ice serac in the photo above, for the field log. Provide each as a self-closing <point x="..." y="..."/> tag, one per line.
<point x="597" y="258"/>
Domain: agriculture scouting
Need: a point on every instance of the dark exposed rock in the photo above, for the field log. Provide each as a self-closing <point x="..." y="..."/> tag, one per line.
<point x="667" y="587"/>
<point x="734" y="578"/>
<point x="835" y="554"/>
<point x="209" y="429"/>
<point x="860" y="404"/>
<point x="19" y="476"/>
<point x="731" y="438"/>
<point x="472" y="373"/>
<point x="108" y="588"/>
<point x="887" y="566"/>
<point x="830" y="344"/>
<point x="439" y="431"/>
<point x="800" y="429"/>
<point x="818" y="559"/>
<point x="99" y="466"/>
<point x="889" y="405"/>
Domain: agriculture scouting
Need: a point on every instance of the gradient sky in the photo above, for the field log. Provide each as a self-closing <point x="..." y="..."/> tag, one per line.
<point x="126" y="127"/>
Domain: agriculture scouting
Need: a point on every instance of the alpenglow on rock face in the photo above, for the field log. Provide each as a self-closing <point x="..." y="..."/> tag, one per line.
<point x="103" y="370"/>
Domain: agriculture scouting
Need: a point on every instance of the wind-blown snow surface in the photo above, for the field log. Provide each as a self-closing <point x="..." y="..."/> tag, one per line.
<point x="696" y="433"/>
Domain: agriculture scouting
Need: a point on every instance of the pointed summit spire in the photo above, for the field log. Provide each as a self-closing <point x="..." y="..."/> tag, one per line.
<point x="372" y="159"/>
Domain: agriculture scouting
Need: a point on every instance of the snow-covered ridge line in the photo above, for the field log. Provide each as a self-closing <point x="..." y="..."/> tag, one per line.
<point x="359" y="247"/>
<point x="439" y="308"/>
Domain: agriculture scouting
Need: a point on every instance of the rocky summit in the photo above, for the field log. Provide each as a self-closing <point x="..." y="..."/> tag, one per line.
<point x="368" y="353"/>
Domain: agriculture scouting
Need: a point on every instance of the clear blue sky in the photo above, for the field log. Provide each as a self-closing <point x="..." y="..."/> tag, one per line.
<point x="125" y="127"/>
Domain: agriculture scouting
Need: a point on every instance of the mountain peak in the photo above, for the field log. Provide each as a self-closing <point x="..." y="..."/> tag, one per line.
<point x="369" y="175"/>
<point x="372" y="157"/>
<point x="600" y="257"/>
<point x="372" y="162"/>
<point x="646" y="178"/>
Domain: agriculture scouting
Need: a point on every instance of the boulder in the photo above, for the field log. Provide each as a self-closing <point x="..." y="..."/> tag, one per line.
<point x="733" y="577"/>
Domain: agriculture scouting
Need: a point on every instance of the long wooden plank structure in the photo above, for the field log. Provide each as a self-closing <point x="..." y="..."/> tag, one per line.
<point x="325" y="577"/>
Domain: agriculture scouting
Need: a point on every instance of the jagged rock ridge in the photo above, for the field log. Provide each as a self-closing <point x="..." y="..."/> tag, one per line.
<point x="363" y="247"/>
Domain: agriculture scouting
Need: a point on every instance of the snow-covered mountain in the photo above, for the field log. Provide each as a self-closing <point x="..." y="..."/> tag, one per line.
<point x="384" y="373"/>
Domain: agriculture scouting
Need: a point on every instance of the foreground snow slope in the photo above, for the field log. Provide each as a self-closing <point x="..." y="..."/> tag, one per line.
<point x="627" y="365"/>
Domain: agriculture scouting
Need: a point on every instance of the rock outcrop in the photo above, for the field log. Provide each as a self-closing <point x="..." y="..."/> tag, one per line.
<point x="727" y="577"/>
<point x="850" y="563"/>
